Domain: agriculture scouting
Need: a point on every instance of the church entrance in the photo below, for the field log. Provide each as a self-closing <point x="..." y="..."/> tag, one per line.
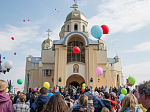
<point x="75" y="80"/>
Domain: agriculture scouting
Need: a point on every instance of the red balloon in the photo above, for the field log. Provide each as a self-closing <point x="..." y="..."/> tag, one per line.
<point x="76" y="49"/>
<point x="105" y="29"/>
<point x="82" y="90"/>
<point x="12" y="38"/>
<point x="15" y="53"/>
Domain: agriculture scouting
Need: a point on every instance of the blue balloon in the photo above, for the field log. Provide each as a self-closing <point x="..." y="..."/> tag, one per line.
<point x="97" y="31"/>
<point x="50" y="94"/>
<point x="121" y="96"/>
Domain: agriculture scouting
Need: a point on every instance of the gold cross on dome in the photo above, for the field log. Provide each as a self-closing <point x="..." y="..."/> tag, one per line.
<point x="75" y="5"/>
<point x="48" y="32"/>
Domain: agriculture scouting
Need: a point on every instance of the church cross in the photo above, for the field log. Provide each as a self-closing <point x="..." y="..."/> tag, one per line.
<point x="48" y="32"/>
<point x="75" y="5"/>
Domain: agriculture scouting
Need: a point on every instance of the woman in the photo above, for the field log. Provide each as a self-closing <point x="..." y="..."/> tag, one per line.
<point x="130" y="103"/>
<point x="56" y="104"/>
<point x="21" y="106"/>
<point x="69" y="103"/>
<point x="82" y="104"/>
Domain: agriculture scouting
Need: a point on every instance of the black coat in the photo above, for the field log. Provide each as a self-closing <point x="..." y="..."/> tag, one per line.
<point x="30" y="97"/>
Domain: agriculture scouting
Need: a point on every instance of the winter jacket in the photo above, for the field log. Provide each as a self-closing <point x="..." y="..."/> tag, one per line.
<point x="42" y="99"/>
<point x="30" y="96"/>
<point x="119" y="91"/>
<point x="103" y="103"/>
<point x="110" y="90"/>
<point x="95" y="101"/>
<point x="5" y="103"/>
<point x="15" y="99"/>
<point x="77" y="107"/>
<point x="113" y="105"/>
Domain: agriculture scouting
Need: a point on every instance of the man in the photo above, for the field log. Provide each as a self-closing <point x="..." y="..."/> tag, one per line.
<point x="119" y="90"/>
<point x="5" y="101"/>
<point x="30" y="97"/>
<point x="128" y="90"/>
<point x="144" y="94"/>
<point x="102" y="89"/>
<point x="16" y="97"/>
<point x="41" y="101"/>
<point x="113" y="101"/>
<point x="115" y="90"/>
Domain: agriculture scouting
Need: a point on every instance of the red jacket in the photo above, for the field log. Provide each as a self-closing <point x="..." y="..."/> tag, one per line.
<point x="113" y="104"/>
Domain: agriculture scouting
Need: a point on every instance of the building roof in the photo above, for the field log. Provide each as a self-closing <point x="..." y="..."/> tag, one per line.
<point x="33" y="59"/>
<point x="111" y="60"/>
<point x="76" y="14"/>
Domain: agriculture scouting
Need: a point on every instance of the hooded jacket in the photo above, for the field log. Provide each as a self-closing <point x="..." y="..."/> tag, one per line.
<point x="42" y="99"/>
<point x="5" y="103"/>
<point x="113" y="105"/>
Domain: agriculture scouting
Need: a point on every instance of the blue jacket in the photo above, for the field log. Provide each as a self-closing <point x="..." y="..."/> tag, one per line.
<point x="95" y="101"/>
<point x="41" y="100"/>
<point x="77" y="107"/>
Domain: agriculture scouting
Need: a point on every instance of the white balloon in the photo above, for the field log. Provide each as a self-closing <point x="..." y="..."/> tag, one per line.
<point x="8" y="64"/>
<point x="3" y="68"/>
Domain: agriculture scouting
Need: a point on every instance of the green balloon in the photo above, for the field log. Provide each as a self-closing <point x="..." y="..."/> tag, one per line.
<point x="19" y="81"/>
<point x="131" y="80"/>
<point x="124" y="91"/>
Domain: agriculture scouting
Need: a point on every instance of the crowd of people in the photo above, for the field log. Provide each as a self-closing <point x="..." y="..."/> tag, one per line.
<point x="72" y="99"/>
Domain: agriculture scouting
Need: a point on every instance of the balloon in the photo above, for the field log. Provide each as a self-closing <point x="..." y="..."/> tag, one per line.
<point x="124" y="91"/>
<point x="39" y="89"/>
<point x="50" y="94"/>
<point x="23" y="20"/>
<point x="15" y="53"/>
<point x="99" y="70"/>
<point x="46" y="84"/>
<point x="121" y="96"/>
<point x="83" y="85"/>
<point x="35" y="89"/>
<point x="12" y="38"/>
<point x="28" y="19"/>
<point x="3" y="57"/>
<point x="96" y="31"/>
<point x="7" y="90"/>
<point x="105" y="29"/>
<point x="82" y="90"/>
<point x="19" y="81"/>
<point x="131" y="80"/>
<point x="76" y="49"/>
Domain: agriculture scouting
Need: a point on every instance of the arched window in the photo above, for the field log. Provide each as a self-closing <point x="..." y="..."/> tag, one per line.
<point x="118" y="80"/>
<point x="83" y="28"/>
<point x="75" y="57"/>
<point x="28" y="77"/>
<point x="68" y="28"/>
<point x="75" y="27"/>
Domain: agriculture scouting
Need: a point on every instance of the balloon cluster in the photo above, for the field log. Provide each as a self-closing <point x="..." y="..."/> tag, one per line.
<point x="97" y="31"/>
<point x="83" y="87"/>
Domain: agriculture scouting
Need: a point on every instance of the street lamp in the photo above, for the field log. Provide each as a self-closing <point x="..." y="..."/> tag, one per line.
<point x="6" y="66"/>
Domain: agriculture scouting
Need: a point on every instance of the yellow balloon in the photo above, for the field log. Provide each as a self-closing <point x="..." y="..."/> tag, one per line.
<point x="7" y="90"/>
<point x="39" y="89"/>
<point x="83" y="85"/>
<point x="46" y="84"/>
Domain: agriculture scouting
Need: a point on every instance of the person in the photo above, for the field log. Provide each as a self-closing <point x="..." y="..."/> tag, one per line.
<point x="110" y="89"/>
<point x="105" y="102"/>
<point x="96" y="89"/>
<point x="68" y="102"/>
<point x="136" y="94"/>
<point x="128" y="90"/>
<point x="141" y="106"/>
<point x="30" y="97"/>
<point x="62" y="90"/>
<point x="99" y="90"/>
<point x="21" y="106"/>
<point x="41" y="101"/>
<point x="51" y="90"/>
<point x="144" y="94"/>
<point x="130" y="104"/>
<point x="106" y="90"/>
<point x="115" y="90"/>
<point x="16" y="97"/>
<point x="5" y="101"/>
<point x="56" y="89"/>
<point x="113" y="102"/>
<point x="56" y="104"/>
<point x="119" y="90"/>
<point x="90" y="96"/>
<point x="82" y="102"/>
<point x="10" y="96"/>
<point x="95" y="99"/>
<point x="105" y="110"/>
<point x="102" y="89"/>
<point x="74" y="91"/>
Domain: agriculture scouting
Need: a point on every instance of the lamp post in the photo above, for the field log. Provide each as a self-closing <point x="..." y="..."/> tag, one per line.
<point x="6" y="66"/>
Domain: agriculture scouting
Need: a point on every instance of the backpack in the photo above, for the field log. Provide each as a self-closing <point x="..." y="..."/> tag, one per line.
<point x="39" y="107"/>
<point x="100" y="105"/>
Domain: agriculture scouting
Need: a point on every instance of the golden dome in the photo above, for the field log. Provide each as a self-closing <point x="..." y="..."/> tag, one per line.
<point x="74" y="14"/>
<point x="47" y="44"/>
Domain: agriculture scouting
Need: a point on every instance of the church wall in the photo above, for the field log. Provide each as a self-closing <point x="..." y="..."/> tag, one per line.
<point x="69" y="69"/>
<point x="101" y="57"/>
<point x="40" y="81"/>
<point x="48" y="66"/>
<point x="29" y="65"/>
<point x="117" y="66"/>
<point x="47" y="78"/>
<point x="48" y="56"/>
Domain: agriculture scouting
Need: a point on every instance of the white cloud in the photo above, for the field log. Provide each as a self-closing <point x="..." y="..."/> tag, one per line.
<point x="122" y="15"/>
<point x="139" y="71"/>
<point x="141" y="47"/>
<point x="32" y="52"/>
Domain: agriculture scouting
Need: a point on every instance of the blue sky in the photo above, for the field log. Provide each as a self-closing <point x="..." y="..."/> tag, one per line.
<point x="128" y="21"/>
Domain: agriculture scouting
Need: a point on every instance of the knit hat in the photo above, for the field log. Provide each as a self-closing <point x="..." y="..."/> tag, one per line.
<point x="3" y="85"/>
<point x="113" y="96"/>
<point x="90" y="96"/>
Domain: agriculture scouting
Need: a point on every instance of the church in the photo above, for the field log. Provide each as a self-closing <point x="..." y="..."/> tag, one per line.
<point x="59" y="65"/>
